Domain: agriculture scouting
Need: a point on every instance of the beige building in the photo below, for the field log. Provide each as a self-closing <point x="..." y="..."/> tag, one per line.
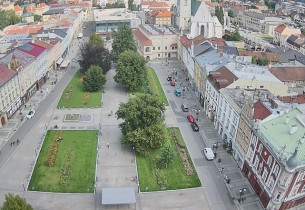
<point x="282" y="32"/>
<point x="259" y="22"/>
<point x="39" y="9"/>
<point x="156" y="42"/>
<point x="9" y="93"/>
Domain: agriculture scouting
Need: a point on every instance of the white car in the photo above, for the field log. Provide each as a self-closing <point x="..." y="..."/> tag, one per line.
<point x="30" y="114"/>
<point x="208" y="153"/>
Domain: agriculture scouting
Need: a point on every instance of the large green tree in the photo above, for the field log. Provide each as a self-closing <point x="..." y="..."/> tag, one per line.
<point x="15" y="203"/>
<point x="122" y="40"/>
<point x="140" y="112"/>
<point x="146" y="139"/>
<point x="94" y="79"/>
<point x="219" y="14"/>
<point x="37" y="17"/>
<point x="94" y="55"/>
<point x="131" y="70"/>
<point x="8" y="17"/>
<point x="95" y="39"/>
<point x="167" y="157"/>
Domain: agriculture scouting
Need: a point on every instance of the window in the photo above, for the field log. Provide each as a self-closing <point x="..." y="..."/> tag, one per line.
<point x="154" y="48"/>
<point x="260" y="168"/>
<point x="278" y="195"/>
<point x="158" y="55"/>
<point x="249" y="174"/>
<point x="260" y="149"/>
<point x="265" y="174"/>
<point x="158" y="48"/>
<point x="269" y="161"/>
<point x="256" y="162"/>
<point x="271" y="183"/>
<point x="261" y="86"/>
<point x="165" y="48"/>
<point x="276" y="170"/>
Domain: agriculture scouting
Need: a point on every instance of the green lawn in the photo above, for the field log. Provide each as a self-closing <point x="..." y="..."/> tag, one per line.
<point x="175" y="174"/>
<point x="76" y="155"/>
<point x="75" y="97"/>
<point x="153" y="85"/>
<point x="265" y="37"/>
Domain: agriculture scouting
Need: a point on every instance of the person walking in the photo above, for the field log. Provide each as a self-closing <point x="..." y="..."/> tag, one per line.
<point x="108" y="145"/>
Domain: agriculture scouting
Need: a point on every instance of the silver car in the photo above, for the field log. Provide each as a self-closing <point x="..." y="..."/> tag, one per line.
<point x="30" y="114"/>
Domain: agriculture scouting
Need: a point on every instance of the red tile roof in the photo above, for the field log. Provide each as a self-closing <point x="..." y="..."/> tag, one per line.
<point x="280" y="28"/>
<point x="217" y="41"/>
<point x="43" y="44"/>
<point x="188" y="42"/>
<point x="288" y="74"/>
<point x="260" y="111"/>
<point x="273" y="57"/>
<point x="33" y="49"/>
<point x="222" y="77"/>
<point x="27" y="29"/>
<point x="17" y="8"/>
<point x="5" y="74"/>
<point x="164" y="14"/>
<point x="300" y="99"/>
<point x="143" y="39"/>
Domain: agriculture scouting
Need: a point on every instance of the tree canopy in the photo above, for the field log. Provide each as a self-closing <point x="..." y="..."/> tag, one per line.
<point x="219" y="14"/>
<point x="37" y="17"/>
<point x="94" y="55"/>
<point x="140" y="112"/>
<point x="95" y="39"/>
<point x="8" y="17"/>
<point x="122" y="40"/>
<point x="230" y="13"/>
<point x="131" y="70"/>
<point x="235" y="36"/>
<point x="142" y="126"/>
<point x="15" y="203"/>
<point x="94" y="79"/>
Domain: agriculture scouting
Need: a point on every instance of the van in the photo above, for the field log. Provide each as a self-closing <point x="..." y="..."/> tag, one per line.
<point x="208" y="153"/>
<point x="178" y="92"/>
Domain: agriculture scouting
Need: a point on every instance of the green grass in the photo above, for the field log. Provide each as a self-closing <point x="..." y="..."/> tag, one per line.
<point x="175" y="174"/>
<point x="77" y="99"/>
<point x="153" y="85"/>
<point x="83" y="144"/>
<point x="265" y="37"/>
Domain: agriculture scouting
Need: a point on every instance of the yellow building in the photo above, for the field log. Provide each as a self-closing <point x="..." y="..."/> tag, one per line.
<point x="164" y="18"/>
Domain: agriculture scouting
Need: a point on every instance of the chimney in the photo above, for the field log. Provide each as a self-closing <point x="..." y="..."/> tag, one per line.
<point x="220" y="51"/>
<point x="287" y="120"/>
<point x="293" y="129"/>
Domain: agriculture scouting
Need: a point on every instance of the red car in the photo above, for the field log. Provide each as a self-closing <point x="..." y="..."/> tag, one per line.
<point x="173" y="83"/>
<point x="191" y="118"/>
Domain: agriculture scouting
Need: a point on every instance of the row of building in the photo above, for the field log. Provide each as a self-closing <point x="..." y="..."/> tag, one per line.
<point x="31" y="52"/>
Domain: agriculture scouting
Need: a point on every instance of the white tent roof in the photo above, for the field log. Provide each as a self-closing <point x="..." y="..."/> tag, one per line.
<point x="123" y="195"/>
<point x="65" y="64"/>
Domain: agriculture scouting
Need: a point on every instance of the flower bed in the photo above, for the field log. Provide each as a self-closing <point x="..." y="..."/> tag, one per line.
<point x="65" y="170"/>
<point x="68" y="93"/>
<point x="50" y="158"/>
<point x="86" y="98"/>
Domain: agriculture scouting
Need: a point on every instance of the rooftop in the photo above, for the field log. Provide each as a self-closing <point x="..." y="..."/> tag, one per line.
<point x="24" y="58"/>
<point x="113" y="14"/>
<point x="32" y="49"/>
<point x="277" y="132"/>
<point x="142" y="38"/>
<point x="54" y="11"/>
<point x="157" y="29"/>
<point x="288" y="73"/>
<point x="5" y="74"/>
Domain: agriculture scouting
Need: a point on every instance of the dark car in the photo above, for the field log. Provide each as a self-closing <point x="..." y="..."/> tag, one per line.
<point x="195" y="127"/>
<point x="184" y="108"/>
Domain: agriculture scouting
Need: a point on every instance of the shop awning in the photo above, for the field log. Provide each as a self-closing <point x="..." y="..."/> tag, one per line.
<point x="65" y="64"/>
<point x="122" y="195"/>
<point x="59" y="61"/>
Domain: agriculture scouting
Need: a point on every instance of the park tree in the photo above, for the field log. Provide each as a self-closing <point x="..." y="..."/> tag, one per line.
<point x="167" y="157"/>
<point x="122" y="40"/>
<point x="15" y="203"/>
<point x="94" y="79"/>
<point x="131" y="70"/>
<point x="95" y="39"/>
<point x="37" y="18"/>
<point x="230" y="13"/>
<point x="12" y="18"/>
<point x="140" y="112"/>
<point x="94" y="55"/>
<point x="147" y="139"/>
<point x="219" y="14"/>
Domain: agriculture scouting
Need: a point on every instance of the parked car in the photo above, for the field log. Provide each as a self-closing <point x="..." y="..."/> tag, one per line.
<point x="190" y="118"/>
<point x="195" y="127"/>
<point x="30" y="114"/>
<point x="173" y="83"/>
<point x="184" y="108"/>
<point x="208" y="153"/>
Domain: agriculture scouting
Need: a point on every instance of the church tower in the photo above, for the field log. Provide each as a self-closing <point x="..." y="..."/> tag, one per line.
<point x="183" y="14"/>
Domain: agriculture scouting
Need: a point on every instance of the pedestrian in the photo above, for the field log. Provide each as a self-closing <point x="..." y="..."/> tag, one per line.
<point x="18" y="141"/>
<point x="13" y="143"/>
<point x="24" y="105"/>
<point x="108" y="145"/>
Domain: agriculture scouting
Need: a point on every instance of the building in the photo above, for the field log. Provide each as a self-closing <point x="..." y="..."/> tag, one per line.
<point x="203" y="23"/>
<point x="156" y="42"/>
<point x="25" y="66"/>
<point x="259" y="22"/>
<point x="52" y="56"/>
<point x="282" y="32"/>
<point x="163" y="18"/>
<point x="9" y="94"/>
<point x="296" y="43"/>
<point x="41" y="56"/>
<point x="37" y="10"/>
<point x="27" y="17"/>
<point x="274" y="164"/>
<point x="154" y="5"/>
<point x="290" y="75"/>
<point x="107" y="20"/>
